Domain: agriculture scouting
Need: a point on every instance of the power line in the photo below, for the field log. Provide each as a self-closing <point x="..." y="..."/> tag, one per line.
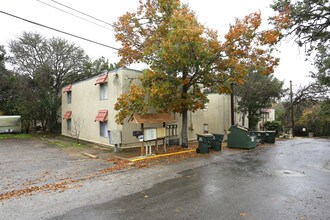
<point x="63" y="32"/>
<point x="74" y="15"/>
<point x="83" y="13"/>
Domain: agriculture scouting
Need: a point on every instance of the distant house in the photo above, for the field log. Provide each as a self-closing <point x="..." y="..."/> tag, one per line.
<point x="90" y="104"/>
<point x="267" y="114"/>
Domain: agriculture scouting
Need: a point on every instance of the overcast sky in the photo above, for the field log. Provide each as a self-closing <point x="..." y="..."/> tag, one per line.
<point x="212" y="13"/>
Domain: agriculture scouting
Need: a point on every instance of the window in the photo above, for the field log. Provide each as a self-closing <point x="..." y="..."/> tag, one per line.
<point x="206" y="128"/>
<point x="67" y="90"/>
<point x="104" y="91"/>
<point x="104" y="129"/>
<point x="101" y="79"/>
<point x="102" y="116"/>
<point x="68" y="124"/>
<point x="69" y="97"/>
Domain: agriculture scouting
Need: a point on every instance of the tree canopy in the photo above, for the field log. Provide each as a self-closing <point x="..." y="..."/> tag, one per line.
<point x="185" y="57"/>
<point x="308" y="22"/>
<point x="258" y="91"/>
<point x="316" y="118"/>
<point x="7" y="78"/>
<point x="44" y="66"/>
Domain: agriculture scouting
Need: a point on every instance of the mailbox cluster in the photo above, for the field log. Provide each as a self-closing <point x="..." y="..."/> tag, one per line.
<point x="152" y="135"/>
<point x="171" y="130"/>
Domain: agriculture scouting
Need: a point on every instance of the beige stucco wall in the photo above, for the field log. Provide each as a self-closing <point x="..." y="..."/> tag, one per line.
<point x="195" y="124"/>
<point x="86" y="103"/>
<point x="217" y="115"/>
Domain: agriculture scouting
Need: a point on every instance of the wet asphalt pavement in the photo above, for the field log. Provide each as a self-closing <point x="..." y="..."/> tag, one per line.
<point x="288" y="181"/>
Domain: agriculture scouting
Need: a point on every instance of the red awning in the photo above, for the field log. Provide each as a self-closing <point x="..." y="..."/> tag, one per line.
<point x="101" y="79"/>
<point x="67" y="115"/>
<point x="101" y="115"/>
<point x="67" y="88"/>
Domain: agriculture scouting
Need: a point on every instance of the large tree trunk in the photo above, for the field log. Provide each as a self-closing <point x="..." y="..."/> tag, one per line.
<point x="184" y="134"/>
<point x="184" y="111"/>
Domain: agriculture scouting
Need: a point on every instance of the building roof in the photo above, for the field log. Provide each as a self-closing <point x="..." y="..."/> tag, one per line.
<point x="110" y="72"/>
<point x="151" y="118"/>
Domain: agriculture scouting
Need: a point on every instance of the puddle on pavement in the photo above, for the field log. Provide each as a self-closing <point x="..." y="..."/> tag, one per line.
<point x="289" y="173"/>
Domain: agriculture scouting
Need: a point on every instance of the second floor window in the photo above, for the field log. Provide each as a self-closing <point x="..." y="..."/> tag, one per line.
<point x="69" y="97"/>
<point x="103" y="91"/>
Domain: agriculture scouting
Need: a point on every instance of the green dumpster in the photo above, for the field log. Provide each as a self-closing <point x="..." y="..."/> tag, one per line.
<point x="240" y="137"/>
<point x="261" y="136"/>
<point x="204" y="143"/>
<point x="216" y="142"/>
<point x="258" y="136"/>
<point x="270" y="137"/>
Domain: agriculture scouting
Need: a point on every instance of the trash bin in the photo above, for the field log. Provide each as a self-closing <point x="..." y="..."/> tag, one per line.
<point x="261" y="136"/>
<point x="257" y="135"/>
<point x="216" y="142"/>
<point x="240" y="137"/>
<point x="270" y="137"/>
<point x="204" y="143"/>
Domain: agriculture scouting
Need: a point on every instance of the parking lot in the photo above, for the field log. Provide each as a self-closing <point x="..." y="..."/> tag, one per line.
<point x="32" y="162"/>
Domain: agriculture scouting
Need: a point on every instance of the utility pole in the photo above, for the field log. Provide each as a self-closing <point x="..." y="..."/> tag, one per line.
<point x="232" y="104"/>
<point x="292" y="119"/>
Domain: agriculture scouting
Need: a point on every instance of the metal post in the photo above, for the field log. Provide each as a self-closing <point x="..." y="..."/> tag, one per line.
<point x="232" y="104"/>
<point x="142" y="144"/>
<point x="291" y="101"/>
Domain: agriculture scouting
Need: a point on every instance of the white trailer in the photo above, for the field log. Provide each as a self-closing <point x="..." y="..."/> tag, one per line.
<point x="10" y="124"/>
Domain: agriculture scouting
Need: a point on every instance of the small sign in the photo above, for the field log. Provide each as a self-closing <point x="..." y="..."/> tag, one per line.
<point x="140" y="137"/>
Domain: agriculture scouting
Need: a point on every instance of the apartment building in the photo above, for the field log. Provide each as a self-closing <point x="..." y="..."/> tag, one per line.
<point x="88" y="108"/>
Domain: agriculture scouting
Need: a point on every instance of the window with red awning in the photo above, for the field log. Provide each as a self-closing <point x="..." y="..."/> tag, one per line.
<point x="67" y="88"/>
<point x="101" y="115"/>
<point x="102" y="79"/>
<point x="67" y="115"/>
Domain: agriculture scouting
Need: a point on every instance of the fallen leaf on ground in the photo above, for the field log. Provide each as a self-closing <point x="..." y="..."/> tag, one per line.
<point x="242" y="214"/>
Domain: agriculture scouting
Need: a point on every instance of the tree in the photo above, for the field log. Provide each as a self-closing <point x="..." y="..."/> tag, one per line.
<point x="46" y="66"/>
<point x="7" y="83"/>
<point x="97" y="67"/>
<point x="308" y="21"/>
<point x="258" y="91"/>
<point x="317" y="118"/>
<point x="185" y="56"/>
<point x="303" y="99"/>
<point x="322" y="64"/>
<point x="273" y="126"/>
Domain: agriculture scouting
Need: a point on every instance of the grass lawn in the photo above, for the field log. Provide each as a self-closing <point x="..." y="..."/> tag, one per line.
<point x="65" y="142"/>
<point x="15" y="136"/>
<point x="54" y="139"/>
